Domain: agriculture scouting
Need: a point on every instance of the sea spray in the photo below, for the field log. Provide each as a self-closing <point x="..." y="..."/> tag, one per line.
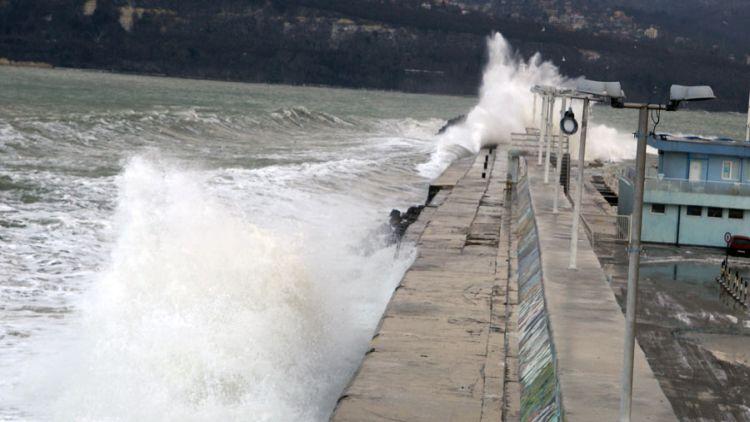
<point x="204" y="315"/>
<point x="505" y="106"/>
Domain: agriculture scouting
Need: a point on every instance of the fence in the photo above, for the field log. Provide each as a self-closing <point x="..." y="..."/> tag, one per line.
<point x="606" y="228"/>
<point x="733" y="283"/>
<point x="530" y="142"/>
<point x="698" y="186"/>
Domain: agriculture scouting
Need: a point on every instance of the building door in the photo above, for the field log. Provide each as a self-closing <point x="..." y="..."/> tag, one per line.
<point x="696" y="170"/>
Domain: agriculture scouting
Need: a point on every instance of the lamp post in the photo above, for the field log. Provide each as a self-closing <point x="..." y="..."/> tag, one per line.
<point x="677" y="94"/>
<point x="549" y="94"/>
<point x="579" y="190"/>
<point x="588" y="91"/>
<point x="558" y="158"/>
<point x="550" y="137"/>
<point x="542" y="127"/>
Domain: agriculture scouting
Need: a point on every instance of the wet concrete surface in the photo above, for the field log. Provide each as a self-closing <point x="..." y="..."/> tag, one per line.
<point x="587" y="325"/>
<point x="695" y="336"/>
<point x="440" y="352"/>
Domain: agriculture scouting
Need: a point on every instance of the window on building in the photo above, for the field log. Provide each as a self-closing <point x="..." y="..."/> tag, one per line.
<point x="715" y="212"/>
<point x="738" y="214"/>
<point x="726" y="170"/>
<point x="658" y="208"/>
<point x="693" y="210"/>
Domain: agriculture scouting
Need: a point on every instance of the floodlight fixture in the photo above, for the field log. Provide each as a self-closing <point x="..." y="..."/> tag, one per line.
<point x="602" y="89"/>
<point x="605" y="90"/>
<point x="679" y="93"/>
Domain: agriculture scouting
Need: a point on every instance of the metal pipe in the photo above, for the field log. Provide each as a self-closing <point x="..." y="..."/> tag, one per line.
<point x="550" y="137"/>
<point x="542" y="128"/>
<point x="579" y="192"/>
<point x="634" y="261"/>
<point x="558" y="160"/>
<point x="533" y="111"/>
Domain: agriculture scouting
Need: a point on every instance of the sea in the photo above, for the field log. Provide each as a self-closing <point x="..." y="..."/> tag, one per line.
<point x="177" y="250"/>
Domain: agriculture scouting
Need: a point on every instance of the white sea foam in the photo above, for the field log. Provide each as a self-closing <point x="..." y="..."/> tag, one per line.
<point x="506" y="106"/>
<point x="607" y="144"/>
<point x="201" y="314"/>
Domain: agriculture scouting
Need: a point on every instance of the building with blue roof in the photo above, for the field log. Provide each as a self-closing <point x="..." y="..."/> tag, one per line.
<point x="700" y="191"/>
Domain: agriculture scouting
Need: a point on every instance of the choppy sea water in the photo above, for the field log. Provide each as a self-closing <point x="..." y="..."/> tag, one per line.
<point x="194" y="250"/>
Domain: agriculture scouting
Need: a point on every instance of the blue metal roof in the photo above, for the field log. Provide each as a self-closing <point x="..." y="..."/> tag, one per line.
<point x="699" y="145"/>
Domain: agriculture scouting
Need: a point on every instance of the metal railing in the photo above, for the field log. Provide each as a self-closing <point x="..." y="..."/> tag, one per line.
<point x="697" y="186"/>
<point x="606" y="228"/>
<point x="530" y="141"/>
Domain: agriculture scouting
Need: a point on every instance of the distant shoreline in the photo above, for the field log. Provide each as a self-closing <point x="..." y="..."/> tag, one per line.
<point x="4" y="62"/>
<point x="12" y="63"/>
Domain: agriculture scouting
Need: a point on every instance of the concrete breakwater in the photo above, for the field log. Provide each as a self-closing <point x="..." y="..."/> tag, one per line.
<point x="439" y="352"/>
<point x="474" y="332"/>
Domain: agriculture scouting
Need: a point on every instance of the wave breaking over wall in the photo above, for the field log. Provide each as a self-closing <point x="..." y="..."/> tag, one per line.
<point x="506" y="105"/>
<point x="203" y="314"/>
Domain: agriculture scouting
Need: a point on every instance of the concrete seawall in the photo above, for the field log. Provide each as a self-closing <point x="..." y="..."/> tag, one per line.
<point x="489" y="324"/>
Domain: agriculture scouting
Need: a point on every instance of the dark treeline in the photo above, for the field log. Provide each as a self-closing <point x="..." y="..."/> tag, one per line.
<point x="382" y="44"/>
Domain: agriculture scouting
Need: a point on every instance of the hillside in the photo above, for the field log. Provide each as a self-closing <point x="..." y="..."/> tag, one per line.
<point x="420" y="46"/>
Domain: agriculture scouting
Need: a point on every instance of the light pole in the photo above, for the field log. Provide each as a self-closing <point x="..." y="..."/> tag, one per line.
<point x="550" y="137"/>
<point x="677" y="94"/>
<point x="579" y="189"/>
<point x="546" y="134"/>
<point x="547" y="94"/>
<point x="542" y="127"/>
<point x="558" y="159"/>
<point x="634" y="262"/>
<point x="588" y="91"/>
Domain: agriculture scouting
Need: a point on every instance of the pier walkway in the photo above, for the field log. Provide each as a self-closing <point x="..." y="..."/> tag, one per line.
<point x="439" y="353"/>
<point x="588" y="325"/>
<point x="447" y="347"/>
